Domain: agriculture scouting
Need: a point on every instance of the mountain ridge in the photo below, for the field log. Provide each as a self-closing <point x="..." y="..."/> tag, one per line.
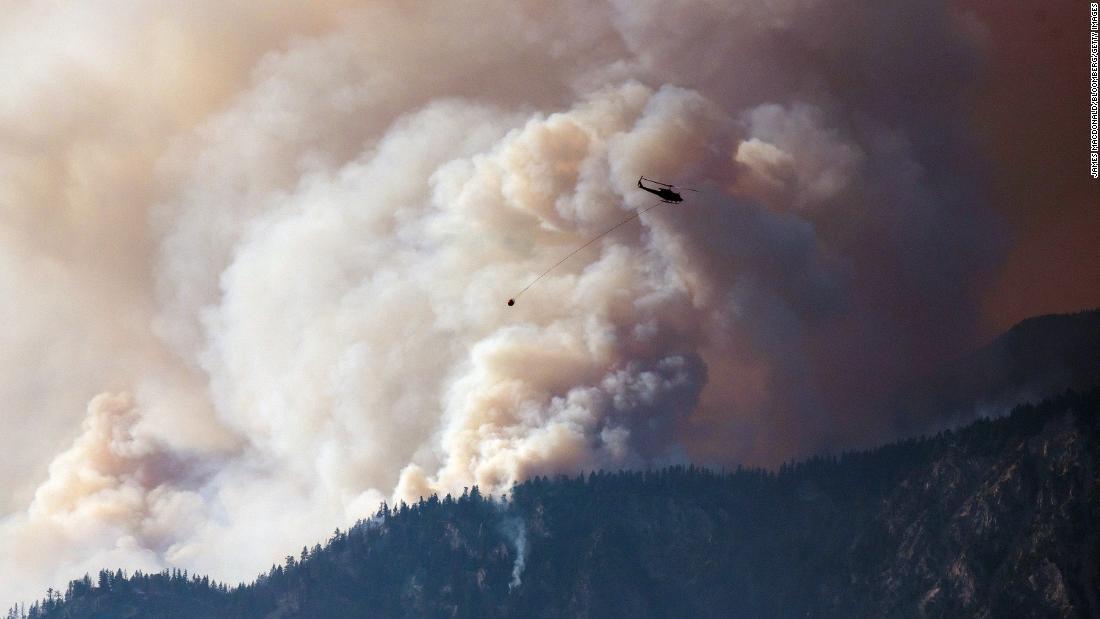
<point x="1036" y="358"/>
<point x="996" y="518"/>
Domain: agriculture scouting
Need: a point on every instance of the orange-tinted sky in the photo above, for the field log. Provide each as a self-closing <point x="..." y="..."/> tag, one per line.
<point x="1032" y="109"/>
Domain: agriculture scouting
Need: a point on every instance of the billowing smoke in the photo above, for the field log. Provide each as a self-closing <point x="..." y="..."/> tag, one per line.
<point x="280" y="243"/>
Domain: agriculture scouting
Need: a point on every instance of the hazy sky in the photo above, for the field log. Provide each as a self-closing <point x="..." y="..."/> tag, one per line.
<point x="255" y="256"/>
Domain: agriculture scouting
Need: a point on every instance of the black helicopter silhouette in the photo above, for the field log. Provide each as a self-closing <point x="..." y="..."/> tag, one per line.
<point x="667" y="193"/>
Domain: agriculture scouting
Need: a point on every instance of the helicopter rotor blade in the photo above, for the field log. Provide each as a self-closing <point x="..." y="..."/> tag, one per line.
<point x="656" y="182"/>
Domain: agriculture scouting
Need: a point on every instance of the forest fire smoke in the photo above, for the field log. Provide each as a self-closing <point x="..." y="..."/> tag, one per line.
<point x="280" y="252"/>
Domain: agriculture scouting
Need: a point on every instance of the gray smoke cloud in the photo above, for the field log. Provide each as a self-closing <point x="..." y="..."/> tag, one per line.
<point x="277" y="244"/>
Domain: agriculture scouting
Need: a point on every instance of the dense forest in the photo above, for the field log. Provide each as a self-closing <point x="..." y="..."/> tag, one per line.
<point x="999" y="518"/>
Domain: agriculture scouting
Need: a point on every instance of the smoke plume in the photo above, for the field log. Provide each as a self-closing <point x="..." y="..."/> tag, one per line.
<point x="517" y="532"/>
<point x="278" y="242"/>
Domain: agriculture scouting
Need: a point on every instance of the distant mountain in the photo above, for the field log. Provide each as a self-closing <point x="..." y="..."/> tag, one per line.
<point x="998" y="519"/>
<point x="1038" y="358"/>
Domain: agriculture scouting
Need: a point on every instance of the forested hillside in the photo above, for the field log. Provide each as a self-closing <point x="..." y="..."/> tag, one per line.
<point x="999" y="518"/>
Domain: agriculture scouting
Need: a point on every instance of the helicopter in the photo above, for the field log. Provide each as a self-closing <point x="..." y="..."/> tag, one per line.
<point x="665" y="192"/>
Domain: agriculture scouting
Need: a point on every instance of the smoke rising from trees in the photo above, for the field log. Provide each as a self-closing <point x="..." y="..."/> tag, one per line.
<point x="278" y="244"/>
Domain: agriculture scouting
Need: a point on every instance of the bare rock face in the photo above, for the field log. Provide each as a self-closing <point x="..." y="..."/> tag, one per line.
<point x="1001" y="519"/>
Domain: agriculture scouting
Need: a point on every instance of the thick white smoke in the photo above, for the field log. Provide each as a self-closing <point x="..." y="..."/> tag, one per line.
<point x="282" y="244"/>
